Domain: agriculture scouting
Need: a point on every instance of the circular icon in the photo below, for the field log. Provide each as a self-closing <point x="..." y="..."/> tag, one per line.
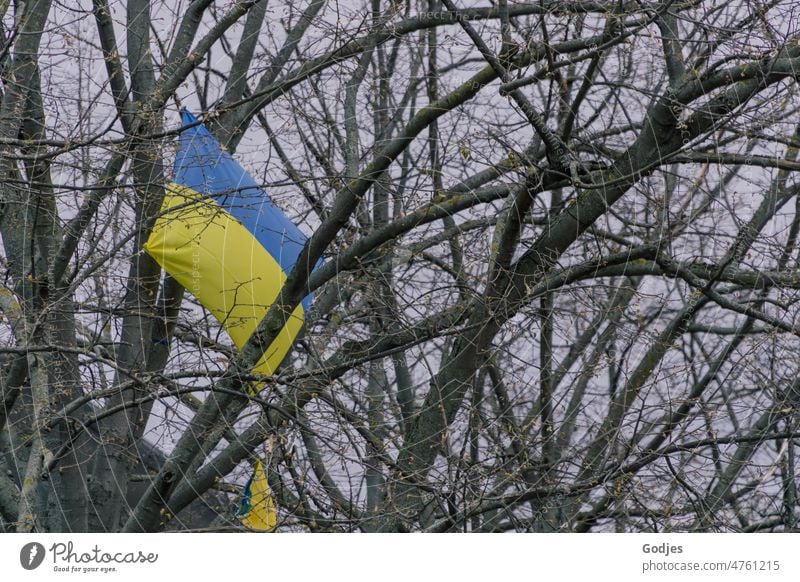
<point x="31" y="555"/>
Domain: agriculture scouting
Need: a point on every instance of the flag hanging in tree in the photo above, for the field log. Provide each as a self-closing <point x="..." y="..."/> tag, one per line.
<point x="257" y="509"/>
<point x="221" y="237"/>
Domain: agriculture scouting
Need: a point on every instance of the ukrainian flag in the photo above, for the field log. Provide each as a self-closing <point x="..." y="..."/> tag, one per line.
<point x="257" y="509"/>
<point x="221" y="237"/>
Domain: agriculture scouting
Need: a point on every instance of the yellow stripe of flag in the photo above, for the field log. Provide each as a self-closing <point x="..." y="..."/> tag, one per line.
<point x="219" y="261"/>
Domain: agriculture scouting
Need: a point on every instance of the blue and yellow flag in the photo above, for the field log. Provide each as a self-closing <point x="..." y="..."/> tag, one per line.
<point x="221" y="237"/>
<point x="257" y="509"/>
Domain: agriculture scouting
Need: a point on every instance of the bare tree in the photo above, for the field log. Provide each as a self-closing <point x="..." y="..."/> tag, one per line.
<point x="559" y="277"/>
